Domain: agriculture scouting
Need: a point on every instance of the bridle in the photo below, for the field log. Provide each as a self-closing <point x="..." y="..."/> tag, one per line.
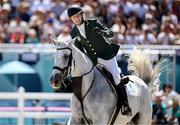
<point x="66" y="80"/>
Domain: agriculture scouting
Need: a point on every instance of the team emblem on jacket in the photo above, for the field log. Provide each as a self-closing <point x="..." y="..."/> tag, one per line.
<point x="78" y="38"/>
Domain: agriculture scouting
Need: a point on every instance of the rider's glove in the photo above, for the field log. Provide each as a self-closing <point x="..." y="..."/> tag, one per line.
<point x="97" y="30"/>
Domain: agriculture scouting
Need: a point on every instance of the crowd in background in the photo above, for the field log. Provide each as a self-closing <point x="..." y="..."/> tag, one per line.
<point x="132" y="21"/>
<point x="166" y="108"/>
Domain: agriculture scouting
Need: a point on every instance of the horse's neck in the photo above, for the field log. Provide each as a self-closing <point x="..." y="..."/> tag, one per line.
<point x="82" y="66"/>
<point x="82" y="63"/>
<point x="100" y="93"/>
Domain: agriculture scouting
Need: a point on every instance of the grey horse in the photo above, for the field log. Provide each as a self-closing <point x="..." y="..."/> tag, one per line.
<point x="98" y="100"/>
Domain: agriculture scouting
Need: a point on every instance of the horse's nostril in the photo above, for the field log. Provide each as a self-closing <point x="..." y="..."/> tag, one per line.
<point x="56" y="81"/>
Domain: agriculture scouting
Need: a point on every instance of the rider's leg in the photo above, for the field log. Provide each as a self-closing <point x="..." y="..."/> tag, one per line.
<point x="113" y="68"/>
<point x="125" y="109"/>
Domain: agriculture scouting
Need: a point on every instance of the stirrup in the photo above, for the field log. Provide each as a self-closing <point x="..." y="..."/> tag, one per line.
<point x="124" y="80"/>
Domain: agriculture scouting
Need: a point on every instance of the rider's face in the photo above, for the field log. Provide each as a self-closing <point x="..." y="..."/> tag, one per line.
<point x="77" y="18"/>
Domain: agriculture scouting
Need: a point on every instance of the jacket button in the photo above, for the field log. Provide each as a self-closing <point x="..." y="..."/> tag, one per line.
<point x="88" y="41"/>
<point x="90" y="45"/>
<point x="78" y="38"/>
<point x="94" y="53"/>
<point x="92" y="49"/>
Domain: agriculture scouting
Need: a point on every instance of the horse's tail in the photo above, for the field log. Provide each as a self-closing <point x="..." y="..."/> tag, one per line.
<point x="139" y="64"/>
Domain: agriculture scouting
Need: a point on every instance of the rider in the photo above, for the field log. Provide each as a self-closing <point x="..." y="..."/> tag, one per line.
<point x="91" y="38"/>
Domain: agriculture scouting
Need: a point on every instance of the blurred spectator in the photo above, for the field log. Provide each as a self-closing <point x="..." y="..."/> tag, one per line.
<point x="58" y="7"/>
<point x="140" y="8"/>
<point x="128" y="6"/>
<point x="17" y="37"/>
<point x="64" y="36"/>
<point x="175" y="8"/>
<point x="64" y="17"/>
<point x="159" y="111"/>
<point x="92" y="5"/>
<point x="88" y="11"/>
<point x="6" y="7"/>
<point x="3" y="36"/>
<point x="23" y="11"/>
<point x="102" y="14"/>
<point x="56" y="23"/>
<point x="38" y="18"/>
<point x="112" y="9"/>
<point x="167" y="94"/>
<point x="15" y="3"/>
<point x="6" y="12"/>
<point x="154" y="21"/>
<point x="44" y="5"/>
<point x="171" y="17"/>
<point x="121" y="15"/>
<point x="163" y="8"/>
<point x="118" y="37"/>
<point x="132" y="37"/>
<point x="147" y="37"/>
<point x="120" y="23"/>
<point x="150" y="23"/>
<point x="152" y="10"/>
<point x="36" y="22"/>
<point x="17" y="24"/>
<point x="50" y="32"/>
<point x="32" y="36"/>
<point x="174" y="118"/>
<point x="166" y="36"/>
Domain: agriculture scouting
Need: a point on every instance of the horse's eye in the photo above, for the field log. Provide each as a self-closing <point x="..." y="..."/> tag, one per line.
<point x="66" y="56"/>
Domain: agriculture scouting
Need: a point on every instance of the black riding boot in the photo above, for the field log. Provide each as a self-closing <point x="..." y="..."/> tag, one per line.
<point x="125" y="108"/>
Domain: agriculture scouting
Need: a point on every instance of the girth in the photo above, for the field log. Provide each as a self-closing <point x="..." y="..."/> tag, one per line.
<point x="77" y="89"/>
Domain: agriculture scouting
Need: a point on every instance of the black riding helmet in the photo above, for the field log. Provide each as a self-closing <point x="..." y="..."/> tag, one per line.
<point x="73" y="10"/>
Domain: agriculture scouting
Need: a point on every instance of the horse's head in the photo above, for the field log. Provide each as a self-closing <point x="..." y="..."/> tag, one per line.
<point x="61" y="73"/>
<point x="68" y="62"/>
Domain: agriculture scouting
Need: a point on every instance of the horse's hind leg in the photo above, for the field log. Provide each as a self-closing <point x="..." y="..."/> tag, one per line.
<point x="144" y="116"/>
<point x="144" y="120"/>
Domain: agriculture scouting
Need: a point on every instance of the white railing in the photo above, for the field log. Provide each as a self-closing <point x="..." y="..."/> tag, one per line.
<point x="21" y="96"/>
<point x="49" y="48"/>
<point x="169" y="50"/>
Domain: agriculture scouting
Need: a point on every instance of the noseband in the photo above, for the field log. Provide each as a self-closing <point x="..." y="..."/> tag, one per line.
<point x="66" y="80"/>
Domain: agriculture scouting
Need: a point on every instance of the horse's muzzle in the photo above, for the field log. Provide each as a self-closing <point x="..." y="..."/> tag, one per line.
<point x="55" y="81"/>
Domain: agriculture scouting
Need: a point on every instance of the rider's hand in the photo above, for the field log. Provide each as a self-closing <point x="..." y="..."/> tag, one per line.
<point x="97" y="30"/>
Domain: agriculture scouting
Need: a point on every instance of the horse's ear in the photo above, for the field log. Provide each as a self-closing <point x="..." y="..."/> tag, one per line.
<point x="54" y="41"/>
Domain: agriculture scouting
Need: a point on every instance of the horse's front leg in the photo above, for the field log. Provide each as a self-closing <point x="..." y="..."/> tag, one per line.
<point x="76" y="121"/>
<point x="76" y="117"/>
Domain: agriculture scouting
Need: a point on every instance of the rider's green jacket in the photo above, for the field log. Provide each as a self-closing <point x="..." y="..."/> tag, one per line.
<point x="95" y="45"/>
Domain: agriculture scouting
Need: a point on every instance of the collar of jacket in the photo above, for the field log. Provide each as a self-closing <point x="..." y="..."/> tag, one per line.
<point x="86" y="22"/>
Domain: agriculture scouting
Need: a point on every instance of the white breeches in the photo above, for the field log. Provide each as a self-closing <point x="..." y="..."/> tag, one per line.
<point x="112" y="66"/>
